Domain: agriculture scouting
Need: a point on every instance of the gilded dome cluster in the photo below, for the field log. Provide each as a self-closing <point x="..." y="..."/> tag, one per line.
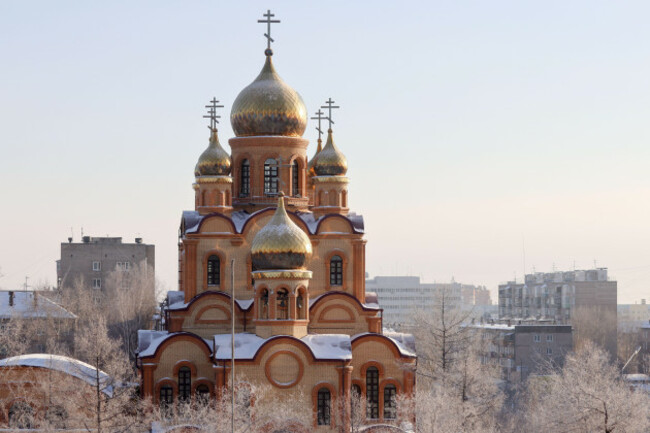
<point x="280" y="244"/>
<point x="330" y="161"/>
<point x="214" y="161"/>
<point x="268" y="106"/>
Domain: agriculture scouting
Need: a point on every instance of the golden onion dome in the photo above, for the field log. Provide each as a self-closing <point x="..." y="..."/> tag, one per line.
<point x="268" y="106"/>
<point x="214" y="161"/>
<point x="310" y="165"/>
<point x="280" y="244"/>
<point x="330" y="161"/>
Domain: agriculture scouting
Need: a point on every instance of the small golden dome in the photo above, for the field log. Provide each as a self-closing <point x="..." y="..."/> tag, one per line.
<point x="268" y="106"/>
<point x="310" y="166"/>
<point x="330" y="161"/>
<point x="280" y="244"/>
<point x="214" y="161"/>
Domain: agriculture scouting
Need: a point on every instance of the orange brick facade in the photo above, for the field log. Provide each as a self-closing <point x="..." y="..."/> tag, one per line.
<point x="286" y="317"/>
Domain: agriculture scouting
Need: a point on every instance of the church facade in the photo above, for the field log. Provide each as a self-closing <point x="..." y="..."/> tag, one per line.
<point x="274" y="229"/>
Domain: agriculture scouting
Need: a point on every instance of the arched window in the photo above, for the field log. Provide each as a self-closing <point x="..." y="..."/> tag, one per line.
<point x="336" y="271"/>
<point x="264" y="304"/>
<point x="300" y="306"/>
<point x="390" y="403"/>
<point x="270" y="176"/>
<point x="324" y="406"/>
<point x="214" y="270"/>
<point x="21" y="415"/>
<point x="372" y="393"/>
<point x="245" y="179"/>
<point x="295" y="178"/>
<point x="184" y="383"/>
<point x="202" y="394"/>
<point x="282" y="305"/>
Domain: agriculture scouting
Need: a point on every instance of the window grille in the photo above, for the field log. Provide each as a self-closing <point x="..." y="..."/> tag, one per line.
<point x="324" y="406"/>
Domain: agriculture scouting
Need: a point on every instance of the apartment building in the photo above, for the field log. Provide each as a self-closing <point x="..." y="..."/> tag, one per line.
<point x="400" y="296"/>
<point x="94" y="258"/>
<point x="524" y="350"/>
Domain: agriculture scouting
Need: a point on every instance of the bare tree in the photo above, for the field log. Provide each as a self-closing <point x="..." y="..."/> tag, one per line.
<point x="441" y="335"/>
<point x="131" y="303"/>
<point x="593" y="325"/>
<point x="587" y="396"/>
<point x="257" y="408"/>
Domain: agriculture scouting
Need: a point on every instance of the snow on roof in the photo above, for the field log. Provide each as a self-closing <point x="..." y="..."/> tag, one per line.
<point x="494" y="326"/>
<point x="146" y="337"/>
<point x="329" y="346"/>
<point x="192" y="220"/>
<point x="407" y="341"/>
<point x="403" y="350"/>
<point x="71" y="366"/>
<point x="246" y="345"/>
<point x="29" y="304"/>
<point x="323" y="346"/>
<point x="244" y="304"/>
<point x="636" y="377"/>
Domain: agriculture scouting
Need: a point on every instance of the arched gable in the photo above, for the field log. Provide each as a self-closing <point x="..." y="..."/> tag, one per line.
<point x="340" y="312"/>
<point x="216" y="223"/>
<point x="180" y="337"/>
<point x="334" y="223"/>
<point x="380" y="339"/>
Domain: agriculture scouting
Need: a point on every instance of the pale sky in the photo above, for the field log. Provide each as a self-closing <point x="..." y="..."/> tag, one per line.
<point x="474" y="130"/>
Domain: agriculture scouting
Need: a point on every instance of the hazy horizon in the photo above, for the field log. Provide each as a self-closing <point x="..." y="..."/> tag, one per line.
<point x="484" y="140"/>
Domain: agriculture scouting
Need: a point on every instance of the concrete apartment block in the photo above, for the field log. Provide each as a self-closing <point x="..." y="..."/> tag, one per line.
<point x="93" y="259"/>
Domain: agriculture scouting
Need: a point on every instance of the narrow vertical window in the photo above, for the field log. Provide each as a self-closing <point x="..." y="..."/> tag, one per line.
<point x="356" y="403"/>
<point x="166" y="399"/>
<point x="282" y="306"/>
<point x="300" y="304"/>
<point x="324" y="406"/>
<point x="184" y="383"/>
<point x="372" y="393"/>
<point x="214" y="270"/>
<point x="295" y="178"/>
<point x="336" y="271"/>
<point x="390" y="404"/>
<point x="245" y="179"/>
<point x="270" y="176"/>
<point x="264" y="304"/>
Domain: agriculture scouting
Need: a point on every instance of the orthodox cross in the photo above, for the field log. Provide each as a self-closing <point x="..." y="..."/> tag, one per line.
<point x="212" y="113"/>
<point x="329" y="107"/>
<point x="319" y="117"/>
<point x="268" y="15"/>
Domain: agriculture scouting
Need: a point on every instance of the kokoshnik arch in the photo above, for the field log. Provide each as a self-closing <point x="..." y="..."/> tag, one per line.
<point x="304" y="321"/>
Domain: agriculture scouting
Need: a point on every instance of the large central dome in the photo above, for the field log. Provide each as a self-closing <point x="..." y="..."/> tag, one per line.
<point x="268" y="106"/>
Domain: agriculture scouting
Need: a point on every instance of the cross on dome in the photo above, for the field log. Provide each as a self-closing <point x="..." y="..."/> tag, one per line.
<point x="330" y="107"/>
<point x="212" y="113"/>
<point x="268" y="15"/>
<point x="319" y="117"/>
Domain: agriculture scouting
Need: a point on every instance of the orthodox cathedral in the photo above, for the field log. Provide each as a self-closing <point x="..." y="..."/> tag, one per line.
<point x="273" y="249"/>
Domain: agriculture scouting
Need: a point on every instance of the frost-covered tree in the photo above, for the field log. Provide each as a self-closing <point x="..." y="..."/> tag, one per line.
<point x="587" y="396"/>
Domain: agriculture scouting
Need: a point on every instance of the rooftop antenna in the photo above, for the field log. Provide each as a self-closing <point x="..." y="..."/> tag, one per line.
<point x="330" y="106"/>
<point x="523" y="248"/>
<point x="268" y="21"/>
<point x="595" y="266"/>
<point x="25" y="285"/>
<point x="212" y="114"/>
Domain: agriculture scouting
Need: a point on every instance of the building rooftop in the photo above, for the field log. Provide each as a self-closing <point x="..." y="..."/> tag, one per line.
<point x="28" y="305"/>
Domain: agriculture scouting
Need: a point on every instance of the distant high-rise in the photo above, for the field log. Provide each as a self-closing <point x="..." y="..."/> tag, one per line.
<point x="558" y="297"/>
<point x="399" y="296"/>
